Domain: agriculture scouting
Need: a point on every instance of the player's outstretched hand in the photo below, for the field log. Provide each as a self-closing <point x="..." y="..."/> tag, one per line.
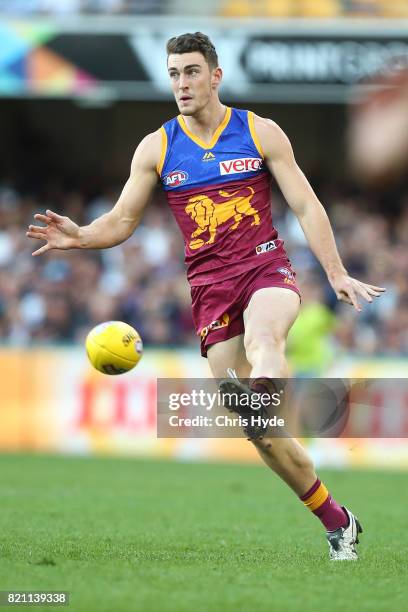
<point x="347" y="289"/>
<point x="59" y="232"/>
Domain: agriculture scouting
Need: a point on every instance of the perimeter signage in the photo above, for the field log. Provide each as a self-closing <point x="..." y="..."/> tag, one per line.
<point x="126" y="58"/>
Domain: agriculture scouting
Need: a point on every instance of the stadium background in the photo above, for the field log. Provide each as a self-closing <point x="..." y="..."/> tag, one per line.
<point x="91" y="501"/>
<point x="80" y="84"/>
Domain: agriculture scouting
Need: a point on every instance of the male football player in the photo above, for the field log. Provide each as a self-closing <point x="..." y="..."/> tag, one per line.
<point x="215" y="164"/>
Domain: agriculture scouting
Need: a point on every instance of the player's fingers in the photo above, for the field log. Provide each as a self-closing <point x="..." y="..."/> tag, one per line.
<point x="361" y="290"/>
<point x="374" y="292"/>
<point x="368" y="286"/>
<point x="43" y="218"/>
<point x="354" y="300"/>
<point x="41" y="250"/>
<point x="54" y="216"/>
<point x="36" y="228"/>
<point x="37" y="235"/>
<point x="350" y="297"/>
<point x="367" y="289"/>
<point x="374" y="288"/>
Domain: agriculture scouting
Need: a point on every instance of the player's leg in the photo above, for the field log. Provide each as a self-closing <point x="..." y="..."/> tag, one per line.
<point x="228" y="354"/>
<point x="268" y="318"/>
<point x="287" y="457"/>
<point x="257" y="349"/>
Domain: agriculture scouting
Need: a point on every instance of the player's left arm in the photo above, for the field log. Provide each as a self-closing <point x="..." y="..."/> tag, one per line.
<point x="280" y="160"/>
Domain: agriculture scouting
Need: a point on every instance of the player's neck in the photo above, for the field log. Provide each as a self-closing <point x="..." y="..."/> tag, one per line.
<point x="205" y="123"/>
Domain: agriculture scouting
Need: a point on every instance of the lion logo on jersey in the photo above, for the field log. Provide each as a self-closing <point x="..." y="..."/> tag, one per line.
<point x="208" y="215"/>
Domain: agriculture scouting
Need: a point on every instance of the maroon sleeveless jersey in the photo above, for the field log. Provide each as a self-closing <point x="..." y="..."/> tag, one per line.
<point x="220" y="195"/>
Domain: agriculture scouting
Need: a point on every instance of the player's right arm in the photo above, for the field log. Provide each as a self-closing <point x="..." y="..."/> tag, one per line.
<point x="119" y="223"/>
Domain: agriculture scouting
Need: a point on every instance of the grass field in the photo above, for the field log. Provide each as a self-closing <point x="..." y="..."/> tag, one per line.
<point x="138" y="535"/>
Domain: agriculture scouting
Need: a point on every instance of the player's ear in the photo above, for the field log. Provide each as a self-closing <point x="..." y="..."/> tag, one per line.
<point x="216" y="77"/>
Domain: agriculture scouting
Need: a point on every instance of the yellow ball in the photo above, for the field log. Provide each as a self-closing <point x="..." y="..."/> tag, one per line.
<point x="114" y="347"/>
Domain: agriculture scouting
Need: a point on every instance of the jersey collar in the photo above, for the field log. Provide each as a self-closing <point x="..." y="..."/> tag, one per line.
<point x="217" y="133"/>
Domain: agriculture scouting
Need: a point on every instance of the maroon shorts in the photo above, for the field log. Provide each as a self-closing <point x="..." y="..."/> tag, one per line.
<point x="218" y="308"/>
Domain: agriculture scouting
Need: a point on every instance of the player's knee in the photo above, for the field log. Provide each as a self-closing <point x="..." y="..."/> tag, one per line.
<point x="264" y="342"/>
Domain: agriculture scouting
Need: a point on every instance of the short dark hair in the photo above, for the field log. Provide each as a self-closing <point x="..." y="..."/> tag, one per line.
<point x="187" y="43"/>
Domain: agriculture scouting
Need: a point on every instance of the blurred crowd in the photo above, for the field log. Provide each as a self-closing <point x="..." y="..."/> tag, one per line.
<point x="230" y="8"/>
<point x="58" y="297"/>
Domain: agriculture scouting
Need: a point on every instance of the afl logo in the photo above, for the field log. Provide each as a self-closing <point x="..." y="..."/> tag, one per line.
<point x="174" y="179"/>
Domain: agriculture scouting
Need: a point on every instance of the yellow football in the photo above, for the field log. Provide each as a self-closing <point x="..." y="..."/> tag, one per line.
<point x="114" y="347"/>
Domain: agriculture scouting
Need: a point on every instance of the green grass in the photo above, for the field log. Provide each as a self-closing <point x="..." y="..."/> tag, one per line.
<point x="124" y="535"/>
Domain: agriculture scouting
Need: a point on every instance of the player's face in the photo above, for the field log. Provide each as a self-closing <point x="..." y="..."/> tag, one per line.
<point x="192" y="81"/>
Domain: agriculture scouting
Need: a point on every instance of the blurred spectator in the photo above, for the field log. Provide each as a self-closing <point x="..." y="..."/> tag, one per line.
<point x="309" y="348"/>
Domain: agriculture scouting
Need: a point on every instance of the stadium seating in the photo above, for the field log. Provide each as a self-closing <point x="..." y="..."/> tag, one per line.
<point x="57" y="298"/>
<point x="226" y="8"/>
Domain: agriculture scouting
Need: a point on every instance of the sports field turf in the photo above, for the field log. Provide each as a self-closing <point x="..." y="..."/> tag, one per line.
<point x="139" y="535"/>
